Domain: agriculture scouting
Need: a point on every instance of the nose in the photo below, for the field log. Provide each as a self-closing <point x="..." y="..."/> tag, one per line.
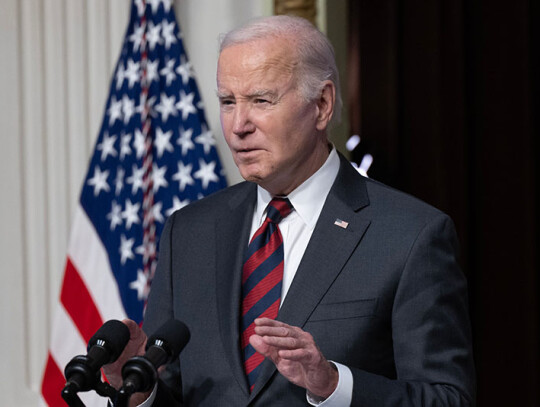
<point x="242" y="123"/>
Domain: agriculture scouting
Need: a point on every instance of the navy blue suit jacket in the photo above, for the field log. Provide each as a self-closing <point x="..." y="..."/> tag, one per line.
<point x="384" y="296"/>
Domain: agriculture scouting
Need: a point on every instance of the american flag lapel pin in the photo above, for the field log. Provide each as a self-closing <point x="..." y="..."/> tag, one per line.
<point x="341" y="223"/>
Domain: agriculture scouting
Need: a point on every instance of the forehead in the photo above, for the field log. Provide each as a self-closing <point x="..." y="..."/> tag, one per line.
<point x="270" y="61"/>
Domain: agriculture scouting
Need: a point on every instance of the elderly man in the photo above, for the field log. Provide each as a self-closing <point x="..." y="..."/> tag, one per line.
<point x="307" y="284"/>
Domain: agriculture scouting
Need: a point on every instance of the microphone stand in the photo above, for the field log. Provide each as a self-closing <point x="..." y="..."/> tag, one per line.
<point x="123" y="397"/>
<point x="69" y="392"/>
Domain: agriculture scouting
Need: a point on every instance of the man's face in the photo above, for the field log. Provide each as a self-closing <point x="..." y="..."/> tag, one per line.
<point x="271" y="130"/>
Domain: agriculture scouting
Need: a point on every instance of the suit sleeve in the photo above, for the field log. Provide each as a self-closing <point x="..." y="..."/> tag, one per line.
<point x="430" y="330"/>
<point x="158" y="311"/>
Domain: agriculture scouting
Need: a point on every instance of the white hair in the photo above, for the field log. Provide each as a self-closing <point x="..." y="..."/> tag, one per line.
<point x="315" y="52"/>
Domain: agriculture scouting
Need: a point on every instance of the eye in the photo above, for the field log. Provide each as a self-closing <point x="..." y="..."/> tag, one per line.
<point x="226" y="102"/>
<point x="261" y="101"/>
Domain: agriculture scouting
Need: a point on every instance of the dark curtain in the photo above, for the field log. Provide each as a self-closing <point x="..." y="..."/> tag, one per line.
<point x="444" y="95"/>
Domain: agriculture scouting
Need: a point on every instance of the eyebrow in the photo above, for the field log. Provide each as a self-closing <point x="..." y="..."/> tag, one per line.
<point x="222" y="95"/>
<point x="262" y="92"/>
<point x="254" y="94"/>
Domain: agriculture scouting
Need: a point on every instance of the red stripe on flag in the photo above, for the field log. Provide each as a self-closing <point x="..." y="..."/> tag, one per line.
<point x="79" y="303"/>
<point x="53" y="383"/>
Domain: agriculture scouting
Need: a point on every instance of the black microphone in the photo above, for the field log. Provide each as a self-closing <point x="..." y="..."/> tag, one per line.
<point x="140" y="372"/>
<point x="82" y="372"/>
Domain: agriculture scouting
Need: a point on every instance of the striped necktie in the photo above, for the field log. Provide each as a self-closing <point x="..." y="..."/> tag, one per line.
<point x="262" y="278"/>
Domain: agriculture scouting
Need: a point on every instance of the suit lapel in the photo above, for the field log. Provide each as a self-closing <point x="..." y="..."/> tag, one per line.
<point x="232" y="233"/>
<point x="327" y="252"/>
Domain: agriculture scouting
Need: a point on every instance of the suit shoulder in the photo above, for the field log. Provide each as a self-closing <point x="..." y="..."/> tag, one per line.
<point x="392" y="202"/>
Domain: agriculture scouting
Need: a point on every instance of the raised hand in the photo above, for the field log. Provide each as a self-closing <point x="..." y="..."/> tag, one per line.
<point x="296" y="356"/>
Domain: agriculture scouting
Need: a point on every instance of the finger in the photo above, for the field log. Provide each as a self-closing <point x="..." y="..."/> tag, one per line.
<point x="270" y="322"/>
<point x="282" y="343"/>
<point x="274" y="331"/>
<point x="260" y="346"/>
<point x="135" y="331"/>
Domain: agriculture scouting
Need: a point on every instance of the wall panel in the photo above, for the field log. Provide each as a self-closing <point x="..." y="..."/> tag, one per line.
<point x="54" y="35"/>
<point x="12" y="333"/>
<point x="77" y="119"/>
<point x="34" y="187"/>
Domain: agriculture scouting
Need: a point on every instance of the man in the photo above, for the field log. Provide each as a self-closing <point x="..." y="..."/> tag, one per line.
<point x="367" y="275"/>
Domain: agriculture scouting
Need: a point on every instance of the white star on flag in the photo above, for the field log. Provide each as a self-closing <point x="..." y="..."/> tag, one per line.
<point x="137" y="36"/>
<point x="140" y="7"/>
<point x="185" y="104"/>
<point x="136" y="179"/>
<point x="158" y="177"/>
<point x="107" y="146"/>
<point x="156" y="212"/>
<point x="184" y="70"/>
<point x="162" y="142"/>
<point x="146" y="253"/>
<point x="183" y="176"/>
<point x="132" y="73"/>
<point x="128" y="108"/>
<point x="140" y="285"/>
<point x="206" y="173"/>
<point x="130" y="214"/>
<point x="120" y="75"/>
<point x="115" y="215"/>
<point x="119" y="181"/>
<point x="149" y="104"/>
<point x="125" y="148"/>
<point x="167" y="31"/>
<point x="99" y="181"/>
<point x="166" y="106"/>
<point x="153" y="37"/>
<point x="152" y="70"/>
<point x="138" y="143"/>
<point x="167" y="5"/>
<point x="154" y="4"/>
<point x="206" y="139"/>
<point x="115" y="110"/>
<point x="185" y="141"/>
<point x="168" y="72"/>
<point x="126" y="249"/>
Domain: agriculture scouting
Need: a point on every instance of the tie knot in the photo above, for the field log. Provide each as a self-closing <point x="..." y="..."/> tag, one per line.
<point x="278" y="208"/>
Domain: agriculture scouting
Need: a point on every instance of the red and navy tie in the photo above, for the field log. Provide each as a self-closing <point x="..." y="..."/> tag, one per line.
<point x="262" y="278"/>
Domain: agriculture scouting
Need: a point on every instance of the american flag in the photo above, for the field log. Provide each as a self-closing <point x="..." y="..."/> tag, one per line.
<point x="154" y="154"/>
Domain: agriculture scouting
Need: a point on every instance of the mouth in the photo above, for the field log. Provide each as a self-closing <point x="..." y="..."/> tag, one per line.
<point x="247" y="153"/>
<point x="247" y="150"/>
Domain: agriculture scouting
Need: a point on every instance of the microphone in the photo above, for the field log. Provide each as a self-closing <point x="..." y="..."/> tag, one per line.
<point x="140" y="372"/>
<point x="82" y="372"/>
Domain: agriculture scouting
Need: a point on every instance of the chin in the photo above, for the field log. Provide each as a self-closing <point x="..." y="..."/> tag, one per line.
<point x="252" y="178"/>
<point x="249" y="173"/>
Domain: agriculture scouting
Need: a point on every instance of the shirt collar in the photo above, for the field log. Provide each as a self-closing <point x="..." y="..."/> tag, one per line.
<point x="308" y="198"/>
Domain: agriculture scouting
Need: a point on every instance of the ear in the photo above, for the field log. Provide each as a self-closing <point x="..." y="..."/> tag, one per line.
<point x="325" y="105"/>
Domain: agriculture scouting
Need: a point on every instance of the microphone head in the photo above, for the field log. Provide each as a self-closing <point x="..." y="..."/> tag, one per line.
<point x="113" y="335"/>
<point x="173" y="335"/>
